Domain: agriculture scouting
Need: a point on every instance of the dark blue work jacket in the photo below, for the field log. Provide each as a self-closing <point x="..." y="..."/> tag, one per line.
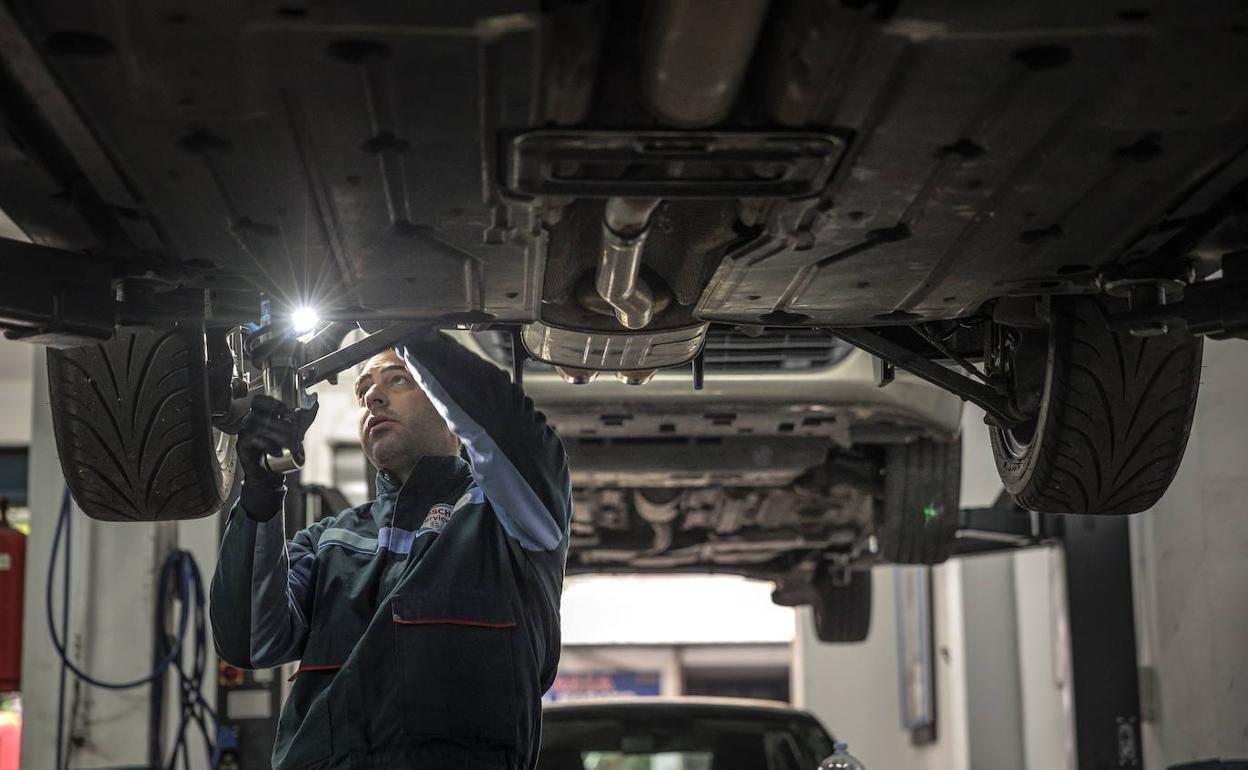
<point x="426" y="622"/>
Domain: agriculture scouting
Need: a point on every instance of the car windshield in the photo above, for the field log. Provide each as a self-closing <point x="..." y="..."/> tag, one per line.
<point x="658" y="760"/>
<point x="671" y="742"/>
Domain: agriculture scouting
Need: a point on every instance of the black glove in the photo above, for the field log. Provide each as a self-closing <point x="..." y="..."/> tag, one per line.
<point x="269" y="428"/>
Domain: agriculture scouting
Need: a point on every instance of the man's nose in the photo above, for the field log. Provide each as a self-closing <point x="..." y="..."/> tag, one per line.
<point x="375" y="395"/>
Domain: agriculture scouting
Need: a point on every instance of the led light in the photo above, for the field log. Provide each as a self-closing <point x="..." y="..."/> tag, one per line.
<point x="304" y="319"/>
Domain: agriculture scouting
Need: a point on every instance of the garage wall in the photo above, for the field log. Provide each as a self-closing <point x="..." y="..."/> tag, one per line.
<point x="672" y="609"/>
<point x="335" y="424"/>
<point x="671" y="660"/>
<point x="1191" y="569"/>
<point x="17" y="364"/>
<point x="854" y="690"/>
<point x="993" y="683"/>
<point x="1044" y="658"/>
<point x="664" y="659"/>
<point x="1018" y="686"/>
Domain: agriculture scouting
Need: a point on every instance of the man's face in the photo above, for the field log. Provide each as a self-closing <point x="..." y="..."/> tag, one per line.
<point x="397" y="422"/>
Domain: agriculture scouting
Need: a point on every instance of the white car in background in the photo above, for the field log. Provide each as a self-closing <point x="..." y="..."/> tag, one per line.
<point x="680" y="734"/>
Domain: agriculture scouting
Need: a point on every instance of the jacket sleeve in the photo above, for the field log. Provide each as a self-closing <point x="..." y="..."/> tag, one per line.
<point x="517" y="459"/>
<point x="261" y="596"/>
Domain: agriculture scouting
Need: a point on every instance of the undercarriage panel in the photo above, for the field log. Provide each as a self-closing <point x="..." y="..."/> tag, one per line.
<point x="1003" y="148"/>
<point x="353" y="156"/>
<point x="327" y="155"/>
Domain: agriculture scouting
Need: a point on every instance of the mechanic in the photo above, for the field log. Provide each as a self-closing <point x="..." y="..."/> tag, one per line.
<point x="426" y="621"/>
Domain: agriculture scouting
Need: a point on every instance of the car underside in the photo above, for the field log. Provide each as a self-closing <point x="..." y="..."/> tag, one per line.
<point x="750" y="214"/>
<point x="775" y="460"/>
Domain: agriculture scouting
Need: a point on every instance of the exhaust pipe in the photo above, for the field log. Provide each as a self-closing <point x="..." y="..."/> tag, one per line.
<point x="624" y="227"/>
<point x="694" y="56"/>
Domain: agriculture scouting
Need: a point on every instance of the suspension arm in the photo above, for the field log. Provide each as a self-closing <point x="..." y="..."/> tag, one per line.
<point x="996" y="404"/>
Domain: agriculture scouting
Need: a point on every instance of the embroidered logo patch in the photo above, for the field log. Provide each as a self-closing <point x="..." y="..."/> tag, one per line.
<point x="438" y="516"/>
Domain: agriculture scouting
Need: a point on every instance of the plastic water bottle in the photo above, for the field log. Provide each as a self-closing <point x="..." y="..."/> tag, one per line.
<point x="841" y="759"/>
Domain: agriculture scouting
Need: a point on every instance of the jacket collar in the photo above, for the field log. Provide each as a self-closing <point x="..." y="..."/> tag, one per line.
<point x="430" y="471"/>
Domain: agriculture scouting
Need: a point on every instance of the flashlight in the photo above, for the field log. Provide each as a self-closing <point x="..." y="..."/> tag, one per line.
<point x="304" y="319"/>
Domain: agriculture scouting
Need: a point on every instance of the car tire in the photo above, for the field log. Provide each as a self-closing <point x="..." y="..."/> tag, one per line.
<point x="843" y="610"/>
<point x="918" y="518"/>
<point x="133" y="427"/>
<point x="1113" y="420"/>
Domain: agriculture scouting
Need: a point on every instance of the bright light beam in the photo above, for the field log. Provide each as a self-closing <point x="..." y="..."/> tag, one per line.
<point x="304" y="319"/>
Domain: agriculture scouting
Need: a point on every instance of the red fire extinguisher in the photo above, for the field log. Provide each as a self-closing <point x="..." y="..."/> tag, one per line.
<point x="12" y="571"/>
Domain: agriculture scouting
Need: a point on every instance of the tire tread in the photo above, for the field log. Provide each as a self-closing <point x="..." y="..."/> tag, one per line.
<point x="843" y="612"/>
<point x="1113" y="400"/>
<point x="917" y="475"/>
<point x="145" y="451"/>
